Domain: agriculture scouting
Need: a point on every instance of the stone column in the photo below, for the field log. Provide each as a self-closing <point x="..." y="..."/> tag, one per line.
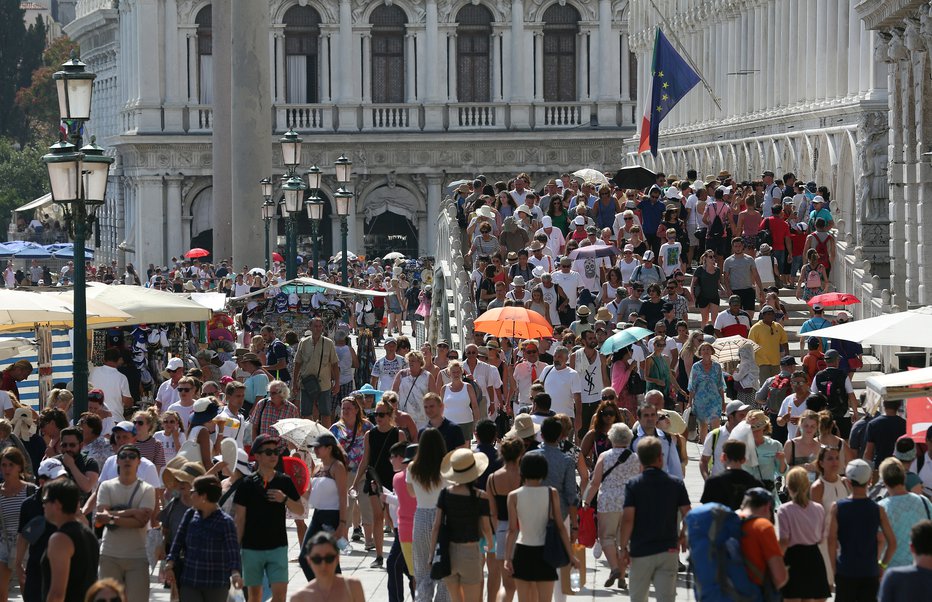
<point x="854" y="50"/>
<point x="173" y="224"/>
<point x="537" y="64"/>
<point x="421" y="219"/>
<point x="451" y="79"/>
<point x="521" y="69"/>
<point x="495" y="71"/>
<point x="151" y="63"/>
<point x="410" y="71"/>
<point x="280" y="91"/>
<point x="346" y="98"/>
<point x="366" y="66"/>
<point x="625" y="68"/>
<point x="434" y="195"/>
<point x="841" y="49"/>
<point x="767" y="25"/>
<point x="150" y="203"/>
<point x="221" y="150"/>
<point x="191" y="74"/>
<point x="251" y="106"/>
<point x="831" y="33"/>
<point x="174" y="60"/>
<point x="820" y="49"/>
<point x="582" y="67"/>
<point x="326" y="94"/>
<point x="608" y="70"/>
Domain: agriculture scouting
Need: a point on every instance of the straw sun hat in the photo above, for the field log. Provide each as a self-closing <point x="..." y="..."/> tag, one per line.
<point x="462" y="466"/>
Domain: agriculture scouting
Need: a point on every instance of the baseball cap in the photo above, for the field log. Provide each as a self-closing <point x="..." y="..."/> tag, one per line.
<point x="324" y="439"/>
<point x="734" y="299"/>
<point x="629" y="247"/>
<point x="788" y="360"/>
<point x="736" y="406"/>
<point x="51" y="468"/>
<point x="173" y="364"/>
<point x="579" y="220"/>
<point x="817" y="307"/>
<point x="566" y="261"/>
<point x="905" y="449"/>
<point x="125" y="425"/>
<point x="859" y="472"/>
<point x="767" y="309"/>
<point x="546" y="221"/>
<point x="843" y="316"/>
<point x="667" y="307"/>
<point x="832" y="354"/>
<point x="261" y="440"/>
<point x="389" y="341"/>
<point x="648" y="255"/>
<point x="757" y="496"/>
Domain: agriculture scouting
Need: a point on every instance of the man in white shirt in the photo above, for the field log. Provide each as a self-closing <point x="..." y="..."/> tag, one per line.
<point x="167" y="393"/>
<point x="592" y="369"/>
<point x="519" y="194"/>
<point x="385" y="369"/>
<point x="526" y="372"/>
<point x="568" y="280"/>
<point x="551" y="295"/>
<point x="562" y="384"/>
<point x="693" y="216"/>
<point x="794" y="405"/>
<point x="112" y="382"/>
<point x="710" y="462"/>
<point x="555" y="238"/>
<point x="488" y="379"/>
<point x="538" y="258"/>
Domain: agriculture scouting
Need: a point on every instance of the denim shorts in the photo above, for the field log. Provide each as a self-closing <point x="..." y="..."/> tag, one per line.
<point x="257" y="563"/>
<point x="322" y="402"/>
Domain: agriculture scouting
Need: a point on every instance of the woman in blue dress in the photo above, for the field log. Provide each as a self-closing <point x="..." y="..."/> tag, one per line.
<point x="706" y="390"/>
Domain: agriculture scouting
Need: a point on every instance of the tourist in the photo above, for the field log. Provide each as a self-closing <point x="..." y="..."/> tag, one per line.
<point x="350" y="431"/>
<point x="328" y="496"/>
<point x="424" y="481"/>
<point x="903" y="509"/>
<point x="317" y="373"/>
<point x="322" y="553"/>
<point x="759" y="542"/>
<point x="902" y="584"/>
<point x="800" y="529"/>
<point x="706" y="390"/>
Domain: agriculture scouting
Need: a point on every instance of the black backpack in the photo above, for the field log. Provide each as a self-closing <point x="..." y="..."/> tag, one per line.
<point x="717" y="229"/>
<point x="831" y="383"/>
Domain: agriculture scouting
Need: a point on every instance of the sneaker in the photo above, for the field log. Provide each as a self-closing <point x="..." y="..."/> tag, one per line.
<point x="377" y="563"/>
<point x="597" y="550"/>
<point x="612" y="576"/>
<point x="369" y="546"/>
<point x="357" y="534"/>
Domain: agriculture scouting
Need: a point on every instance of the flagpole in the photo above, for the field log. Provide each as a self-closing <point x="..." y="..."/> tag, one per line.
<point x="672" y="33"/>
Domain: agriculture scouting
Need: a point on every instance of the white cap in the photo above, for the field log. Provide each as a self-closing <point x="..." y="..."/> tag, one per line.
<point x="546" y="221"/>
<point x="579" y="220"/>
<point x="51" y="468"/>
<point x="174" y="363"/>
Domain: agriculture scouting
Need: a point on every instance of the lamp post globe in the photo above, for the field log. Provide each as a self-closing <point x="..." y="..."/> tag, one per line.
<point x="343" y="199"/>
<point x="315" y="212"/>
<point x="95" y="173"/>
<point x="64" y="165"/>
<point x="344" y="169"/>
<point x="265" y="185"/>
<point x="293" y="192"/>
<point x="291" y="150"/>
<point x="75" y="87"/>
<point x="314" y="175"/>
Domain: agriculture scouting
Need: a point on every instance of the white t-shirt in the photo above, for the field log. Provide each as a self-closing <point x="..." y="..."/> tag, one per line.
<point x="5" y="402"/>
<point x="672" y="255"/>
<point x="550" y="296"/>
<point x="241" y="431"/>
<point x="522" y="373"/>
<point x="589" y="273"/>
<point x="113" y="384"/>
<point x="147" y="472"/>
<point x="562" y="385"/>
<point x="591" y="377"/>
<point x="168" y="444"/>
<point x="717" y="466"/>
<point x="167" y="394"/>
<point x="627" y="268"/>
<point x="386" y="369"/>
<point x="692" y="220"/>
<point x="183" y="411"/>
<point x="789" y="407"/>
<point x="570" y="282"/>
<point x="764" y="265"/>
<point x="486" y="375"/>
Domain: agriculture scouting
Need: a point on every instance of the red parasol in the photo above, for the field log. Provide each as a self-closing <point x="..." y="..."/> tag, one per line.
<point x="833" y="299"/>
<point x="278" y="257"/>
<point x="197" y="252"/>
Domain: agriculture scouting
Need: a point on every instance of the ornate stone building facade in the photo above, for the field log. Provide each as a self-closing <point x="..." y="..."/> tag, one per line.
<point x="803" y="88"/>
<point x="417" y="93"/>
<point x="903" y="30"/>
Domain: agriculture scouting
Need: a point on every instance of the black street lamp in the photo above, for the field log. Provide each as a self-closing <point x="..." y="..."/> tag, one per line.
<point x="78" y="178"/>
<point x="268" y="213"/>
<point x="291" y="157"/>
<point x="344" y="172"/>
<point x="315" y="212"/>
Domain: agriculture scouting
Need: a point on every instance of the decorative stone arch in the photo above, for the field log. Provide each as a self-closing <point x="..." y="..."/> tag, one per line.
<point x="186" y="18"/>
<point x="620" y="11"/>
<point x="775" y="155"/>
<point x="390" y="182"/>
<point x="187" y="201"/>
<point x="844" y="204"/>
<point x="721" y="158"/>
<point x="277" y="11"/>
<point x="732" y="160"/>
<point x="497" y="14"/>
<point x="413" y="13"/>
<point x="790" y="159"/>
<point x="535" y="12"/>
<point x="806" y="154"/>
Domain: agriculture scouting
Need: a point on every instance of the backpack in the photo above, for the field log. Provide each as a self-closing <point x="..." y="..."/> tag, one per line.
<point x="714" y="534"/>
<point x="831" y="383"/>
<point x="813" y="277"/>
<point x="636" y="274"/>
<point x="717" y="229"/>
<point x="780" y="388"/>
<point x="822" y="248"/>
<point x="461" y="217"/>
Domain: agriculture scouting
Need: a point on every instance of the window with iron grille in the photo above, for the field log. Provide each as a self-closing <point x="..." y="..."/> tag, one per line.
<point x="474" y="54"/>
<point x="388" y="54"/>
<point x="205" y="83"/>
<point x="561" y="24"/>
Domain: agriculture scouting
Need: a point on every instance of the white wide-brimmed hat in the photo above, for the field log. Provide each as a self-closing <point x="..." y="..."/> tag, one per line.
<point x="462" y="466"/>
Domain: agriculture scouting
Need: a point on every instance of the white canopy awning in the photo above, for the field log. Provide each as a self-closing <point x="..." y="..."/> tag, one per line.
<point x="313" y="285"/>
<point x="902" y="329"/>
<point x="42" y="201"/>
<point x="899" y="385"/>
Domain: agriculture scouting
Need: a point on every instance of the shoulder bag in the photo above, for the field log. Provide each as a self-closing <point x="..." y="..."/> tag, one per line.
<point x="554" y="553"/>
<point x="441" y="566"/>
<point x="310" y="384"/>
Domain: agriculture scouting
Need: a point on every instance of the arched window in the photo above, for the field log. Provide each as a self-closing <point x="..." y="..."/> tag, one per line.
<point x="561" y="24"/>
<point x="205" y="72"/>
<point x="473" y="54"/>
<point x="302" y="34"/>
<point x="388" y="54"/>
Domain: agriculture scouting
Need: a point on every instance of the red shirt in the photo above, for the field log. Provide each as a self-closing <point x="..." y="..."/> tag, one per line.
<point x="8" y="383"/>
<point x="759" y="545"/>
<point x="779" y="230"/>
<point x="799" y="242"/>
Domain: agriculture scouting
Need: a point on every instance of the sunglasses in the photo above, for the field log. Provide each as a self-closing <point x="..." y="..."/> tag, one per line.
<point x="128" y="456"/>
<point x="608" y="398"/>
<point x="267" y="452"/>
<point x="327" y="558"/>
<point x="184" y="389"/>
<point x="382" y="414"/>
<point x="139" y="422"/>
<point x="628" y="219"/>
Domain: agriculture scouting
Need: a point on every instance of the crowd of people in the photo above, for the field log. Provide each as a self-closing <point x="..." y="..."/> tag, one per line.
<point x="483" y="473"/>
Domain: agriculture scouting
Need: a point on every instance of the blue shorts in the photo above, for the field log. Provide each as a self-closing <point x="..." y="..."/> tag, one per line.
<point x="257" y="563"/>
<point x="321" y="400"/>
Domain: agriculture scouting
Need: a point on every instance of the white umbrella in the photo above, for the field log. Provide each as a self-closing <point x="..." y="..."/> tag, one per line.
<point x="148" y="305"/>
<point x="458" y="183"/>
<point x="393" y="256"/>
<point x="726" y="348"/>
<point x="16" y="346"/>
<point x="258" y="271"/>
<point x="21" y="310"/>
<point x="591" y="175"/>
<point x="300" y="432"/>
<point x="349" y="254"/>
<point x="903" y="329"/>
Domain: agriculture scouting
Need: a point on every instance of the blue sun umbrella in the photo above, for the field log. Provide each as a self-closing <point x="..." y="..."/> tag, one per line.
<point x="68" y="253"/>
<point x="624" y="338"/>
<point x="28" y="252"/>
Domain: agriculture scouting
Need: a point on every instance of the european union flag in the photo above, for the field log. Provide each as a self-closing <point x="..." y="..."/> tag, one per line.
<point x="672" y="79"/>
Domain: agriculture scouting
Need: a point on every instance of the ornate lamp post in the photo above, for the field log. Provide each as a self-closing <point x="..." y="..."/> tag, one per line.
<point x="78" y="180"/>
<point x="268" y="213"/>
<point x="344" y="172"/>
<point x="291" y="158"/>
<point x="293" y="191"/>
<point x="315" y="211"/>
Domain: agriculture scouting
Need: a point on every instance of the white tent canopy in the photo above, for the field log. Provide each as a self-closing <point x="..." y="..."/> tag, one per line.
<point x="147" y="305"/>
<point x="903" y="329"/>
<point x="899" y="385"/>
<point x="42" y="201"/>
<point x="313" y="285"/>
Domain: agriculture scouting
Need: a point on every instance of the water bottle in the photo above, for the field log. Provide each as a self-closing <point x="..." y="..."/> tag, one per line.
<point x="344" y="546"/>
<point x="574" y="579"/>
<point x="237" y="596"/>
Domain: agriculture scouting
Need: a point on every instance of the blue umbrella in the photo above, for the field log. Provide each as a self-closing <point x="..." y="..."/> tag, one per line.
<point x="32" y="253"/>
<point x="69" y="254"/>
<point x="625" y="338"/>
<point x="6" y="251"/>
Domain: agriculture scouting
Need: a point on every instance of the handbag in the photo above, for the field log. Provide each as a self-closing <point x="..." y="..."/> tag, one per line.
<point x="310" y="384"/>
<point x="635" y="384"/>
<point x="554" y="551"/>
<point x="587" y="527"/>
<point x="441" y="566"/>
